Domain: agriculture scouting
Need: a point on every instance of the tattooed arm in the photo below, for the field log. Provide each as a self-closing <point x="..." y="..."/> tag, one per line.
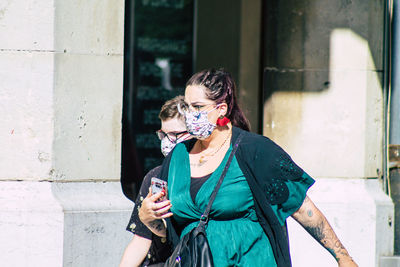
<point x="152" y="213"/>
<point x="311" y="218"/>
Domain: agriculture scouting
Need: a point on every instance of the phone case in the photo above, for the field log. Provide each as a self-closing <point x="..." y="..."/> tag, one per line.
<point x="158" y="185"/>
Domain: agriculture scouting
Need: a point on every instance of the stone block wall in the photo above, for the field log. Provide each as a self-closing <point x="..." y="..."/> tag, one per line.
<point x="61" y="69"/>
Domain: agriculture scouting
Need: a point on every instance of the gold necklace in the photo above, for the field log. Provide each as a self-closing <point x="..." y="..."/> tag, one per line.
<point x="201" y="159"/>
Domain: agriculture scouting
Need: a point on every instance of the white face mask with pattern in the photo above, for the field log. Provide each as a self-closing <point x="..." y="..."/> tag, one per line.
<point x="197" y="123"/>
<point x="167" y="145"/>
<point x="169" y="142"/>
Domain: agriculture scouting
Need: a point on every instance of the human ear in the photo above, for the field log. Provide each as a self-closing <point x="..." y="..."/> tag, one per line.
<point x="223" y="109"/>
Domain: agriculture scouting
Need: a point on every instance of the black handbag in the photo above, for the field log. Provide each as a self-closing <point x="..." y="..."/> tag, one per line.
<point x="193" y="249"/>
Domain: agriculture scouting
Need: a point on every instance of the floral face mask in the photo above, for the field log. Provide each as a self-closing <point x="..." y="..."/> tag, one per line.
<point x="169" y="140"/>
<point x="167" y="146"/>
<point x="197" y="123"/>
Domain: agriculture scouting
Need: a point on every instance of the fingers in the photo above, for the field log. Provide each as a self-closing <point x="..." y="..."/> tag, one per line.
<point x="157" y="196"/>
<point x="149" y="206"/>
<point x="162" y="212"/>
<point x="159" y="215"/>
<point x="160" y="205"/>
<point x="149" y="193"/>
<point x="166" y="215"/>
<point x="164" y="209"/>
<point x="150" y="199"/>
<point x="153" y="210"/>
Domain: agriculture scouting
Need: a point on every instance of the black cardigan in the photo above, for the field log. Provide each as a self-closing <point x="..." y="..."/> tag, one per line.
<point x="266" y="166"/>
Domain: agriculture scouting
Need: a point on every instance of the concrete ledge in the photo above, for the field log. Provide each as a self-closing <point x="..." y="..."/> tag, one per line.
<point x="393" y="261"/>
<point x="63" y="224"/>
<point x="95" y="217"/>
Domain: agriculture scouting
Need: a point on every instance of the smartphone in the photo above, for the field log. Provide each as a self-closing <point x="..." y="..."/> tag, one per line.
<point x="158" y="185"/>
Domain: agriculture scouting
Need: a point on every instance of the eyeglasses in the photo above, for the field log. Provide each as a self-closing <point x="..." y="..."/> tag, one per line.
<point x="173" y="137"/>
<point x="194" y="108"/>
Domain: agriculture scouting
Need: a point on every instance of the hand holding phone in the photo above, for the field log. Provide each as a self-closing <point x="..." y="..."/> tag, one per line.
<point x="155" y="206"/>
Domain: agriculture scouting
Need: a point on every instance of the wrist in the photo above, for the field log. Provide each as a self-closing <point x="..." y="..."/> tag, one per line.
<point x="147" y="221"/>
<point x="144" y="219"/>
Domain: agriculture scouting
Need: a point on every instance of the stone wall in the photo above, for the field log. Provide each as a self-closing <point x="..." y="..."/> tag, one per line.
<point x="61" y="69"/>
<point x="323" y="104"/>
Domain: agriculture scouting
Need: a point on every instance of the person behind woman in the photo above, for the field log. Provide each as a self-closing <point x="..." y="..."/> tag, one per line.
<point x="262" y="187"/>
<point x="146" y="248"/>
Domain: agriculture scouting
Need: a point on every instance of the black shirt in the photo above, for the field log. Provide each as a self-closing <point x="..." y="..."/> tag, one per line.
<point x="196" y="183"/>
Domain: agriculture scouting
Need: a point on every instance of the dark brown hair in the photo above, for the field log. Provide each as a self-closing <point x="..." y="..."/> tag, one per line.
<point x="221" y="88"/>
<point x="170" y="108"/>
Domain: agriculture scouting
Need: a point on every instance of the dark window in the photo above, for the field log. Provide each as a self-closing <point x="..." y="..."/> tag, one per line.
<point x="158" y="61"/>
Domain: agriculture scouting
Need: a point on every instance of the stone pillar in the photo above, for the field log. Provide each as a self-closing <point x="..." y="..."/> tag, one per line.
<point x="249" y="62"/>
<point x="323" y="104"/>
<point x="61" y="69"/>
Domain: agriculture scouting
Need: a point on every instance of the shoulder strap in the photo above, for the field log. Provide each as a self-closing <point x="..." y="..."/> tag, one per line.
<point x="204" y="217"/>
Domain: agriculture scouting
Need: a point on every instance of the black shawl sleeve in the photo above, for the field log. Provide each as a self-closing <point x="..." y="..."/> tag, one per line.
<point x="266" y="167"/>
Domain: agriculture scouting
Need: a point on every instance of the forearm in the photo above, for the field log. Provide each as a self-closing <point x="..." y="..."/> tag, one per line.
<point x="321" y="231"/>
<point x="311" y="218"/>
<point x="158" y="227"/>
<point x="135" y="252"/>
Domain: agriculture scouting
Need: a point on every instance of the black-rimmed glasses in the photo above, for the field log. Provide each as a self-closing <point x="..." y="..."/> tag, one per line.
<point x="173" y="137"/>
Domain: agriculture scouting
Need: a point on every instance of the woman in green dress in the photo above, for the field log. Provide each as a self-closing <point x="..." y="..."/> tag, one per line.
<point x="262" y="187"/>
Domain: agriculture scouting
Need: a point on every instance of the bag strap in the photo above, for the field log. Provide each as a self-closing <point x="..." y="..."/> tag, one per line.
<point x="204" y="217"/>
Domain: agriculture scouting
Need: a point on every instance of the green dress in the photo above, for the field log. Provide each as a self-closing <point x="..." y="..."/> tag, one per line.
<point x="234" y="234"/>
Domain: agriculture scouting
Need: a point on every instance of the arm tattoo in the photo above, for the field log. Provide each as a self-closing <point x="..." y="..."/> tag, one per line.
<point x="318" y="227"/>
<point x="157" y="225"/>
<point x="309" y="213"/>
<point x="323" y="233"/>
<point x="316" y="231"/>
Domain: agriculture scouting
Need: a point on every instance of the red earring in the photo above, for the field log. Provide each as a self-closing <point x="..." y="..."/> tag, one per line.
<point x="222" y="121"/>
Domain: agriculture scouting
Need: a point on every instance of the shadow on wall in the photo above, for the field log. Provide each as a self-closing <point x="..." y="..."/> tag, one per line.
<point x="298" y="38"/>
<point x="322" y="67"/>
